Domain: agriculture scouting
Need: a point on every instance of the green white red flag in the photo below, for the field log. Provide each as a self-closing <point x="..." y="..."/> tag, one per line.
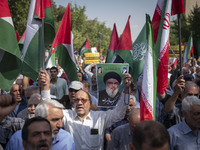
<point x="85" y="47"/>
<point x="148" y="93"/>
<point x="114" y="41"/>
<point x="188" y="50"/>
<point x="10" y="57"/>
<point x="162" y="46"/>
<point x="124" y="48"/>
<point x="63" y="44"/>
<point x="173" y="62"/>
<point x="32" y="53"/>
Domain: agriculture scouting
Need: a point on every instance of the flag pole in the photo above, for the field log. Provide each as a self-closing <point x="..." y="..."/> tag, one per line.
<point x="42" y="45"/>
<point x="173" y="52"/>
<point x="179" y="35"/>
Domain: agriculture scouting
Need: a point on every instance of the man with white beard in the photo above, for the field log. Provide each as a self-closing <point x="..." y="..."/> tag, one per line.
<point x="110" y="95"/>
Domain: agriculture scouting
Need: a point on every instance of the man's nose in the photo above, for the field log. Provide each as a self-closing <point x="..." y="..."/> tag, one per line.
<point x="59" y="123"/>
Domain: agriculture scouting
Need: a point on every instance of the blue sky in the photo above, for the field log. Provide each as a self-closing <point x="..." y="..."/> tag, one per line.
<point x="117" y="11"/>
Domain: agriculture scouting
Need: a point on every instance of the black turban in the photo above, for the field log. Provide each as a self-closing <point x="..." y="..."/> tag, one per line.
<point x="113" y="75"/>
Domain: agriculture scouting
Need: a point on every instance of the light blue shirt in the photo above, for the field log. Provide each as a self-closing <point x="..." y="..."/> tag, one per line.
<point x="183" y="138"/>
<point x="63" y="141"/>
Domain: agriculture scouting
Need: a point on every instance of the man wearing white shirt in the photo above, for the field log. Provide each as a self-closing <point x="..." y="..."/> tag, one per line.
<point x="86" y="126"/>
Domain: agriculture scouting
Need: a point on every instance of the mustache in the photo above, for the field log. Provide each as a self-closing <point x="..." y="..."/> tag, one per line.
<point x="43" y="143"/>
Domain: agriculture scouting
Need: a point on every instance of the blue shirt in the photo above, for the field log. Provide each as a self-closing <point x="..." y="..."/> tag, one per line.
<point x="63" y="141"/>
<point x="183" y="138"/>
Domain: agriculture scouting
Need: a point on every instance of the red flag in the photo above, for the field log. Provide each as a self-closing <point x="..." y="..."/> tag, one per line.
<point x="4" y="9"/>
<point x="17" y="35"/>
<point x="178" y="7"/>
<point x="40" y="7"/>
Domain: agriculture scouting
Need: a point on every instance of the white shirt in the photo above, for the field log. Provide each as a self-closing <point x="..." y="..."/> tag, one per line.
<point x="81" y="130"/>
<point x="95" y="120"/>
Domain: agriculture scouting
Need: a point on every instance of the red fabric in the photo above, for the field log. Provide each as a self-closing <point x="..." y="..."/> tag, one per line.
<point x="63" y="35"/>
<point x="145" y="114"/>
<point x="17" y="35"/>
<point x="87" y="44"/>
<point x="5" y="12"/>
<point x="178" y="7"/>
<point x="125" y="42"/>
<point x="114" y="41"/>
<point x="64" y="76"/>
<point x="40" y="7"/>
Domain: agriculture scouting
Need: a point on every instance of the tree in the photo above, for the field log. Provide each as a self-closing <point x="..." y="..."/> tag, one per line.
<point x="19" y="12"/>
<point x="194" y="26"/>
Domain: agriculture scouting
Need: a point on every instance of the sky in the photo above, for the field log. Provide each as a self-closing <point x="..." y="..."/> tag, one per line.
<point x="117" y="11"/>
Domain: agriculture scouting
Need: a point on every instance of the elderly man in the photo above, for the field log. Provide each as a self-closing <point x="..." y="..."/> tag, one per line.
<point x="172" y="111"/>
<point x="111" y="94"/>
<point x="52" y="111"/>
<point x="185" y="135"/>
<point x="37" y="134"/>
<point x="150" y="135"/>
<point x="122" y="135"/>
<point x="87" y="126"/>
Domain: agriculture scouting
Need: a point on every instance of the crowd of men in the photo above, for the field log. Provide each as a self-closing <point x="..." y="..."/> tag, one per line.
<point x="55" y="113"/>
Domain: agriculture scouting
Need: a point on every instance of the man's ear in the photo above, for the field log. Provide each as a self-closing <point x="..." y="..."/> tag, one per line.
<point x="131" y="146"/>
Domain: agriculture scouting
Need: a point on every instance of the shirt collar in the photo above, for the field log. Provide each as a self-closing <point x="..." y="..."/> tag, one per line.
<point x="185" y="128"/>
<point x="56" y="139"/>
<point x="76" y="117"/>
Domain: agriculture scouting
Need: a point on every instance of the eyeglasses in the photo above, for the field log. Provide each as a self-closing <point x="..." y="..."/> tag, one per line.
<point x="73" y="90"/>
<point x="82" y="100"/>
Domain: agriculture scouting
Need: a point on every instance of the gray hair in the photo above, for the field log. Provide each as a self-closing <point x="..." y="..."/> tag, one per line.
<point x="189" y="84"/>
<point x="188" y="102"/>
<point x="132" y="97"/>
<point x="35" y="96"/>
<point x="43" y="107"/>
<point x="32" y="87"/>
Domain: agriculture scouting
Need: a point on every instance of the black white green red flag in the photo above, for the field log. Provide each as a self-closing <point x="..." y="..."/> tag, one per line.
<point x="10" y="57"/>
<point x="34" y="43"/>
<point x="85" y="47"/>
<point x="114" y="41"/>
<point x="148" y="93"/>
<point x="63" y="44"/>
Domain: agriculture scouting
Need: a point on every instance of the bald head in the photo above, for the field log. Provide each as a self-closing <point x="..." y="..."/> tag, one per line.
<point x="134" y="118"/>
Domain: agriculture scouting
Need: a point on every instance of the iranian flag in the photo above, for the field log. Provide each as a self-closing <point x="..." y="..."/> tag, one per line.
<point x="124" y="48"/>
<point x="162" y="47"/>
<point x="188" y="50"/>
<point x="148" y="93"/>
<point x="10" y="57"/>
<point x="39" y="34"/>
<point x="85" y="47"/>
<point x="114" y="41"/>
<point x="63" y="44"/>
<point x="173" y="63"/>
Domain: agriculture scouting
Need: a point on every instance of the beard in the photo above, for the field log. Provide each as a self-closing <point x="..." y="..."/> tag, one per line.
<point x="111" y="93"/>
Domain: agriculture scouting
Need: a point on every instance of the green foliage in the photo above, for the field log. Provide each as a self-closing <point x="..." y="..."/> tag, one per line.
<point x="81" y="26"/>
<point x="19" y="12"/>
<point x="190" y="24"/>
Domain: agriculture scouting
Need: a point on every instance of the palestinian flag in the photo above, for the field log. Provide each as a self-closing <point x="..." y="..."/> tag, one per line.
<point x="10" y="57"/>
<point x="51" y="59"/>
<point x="148" y="93"/>
<point x="85" y="48"/>
<point x="63" y="44"/>
<point x="178" y="7"/>
<point x="17" y="36"/>
<point x="34" y="44"/>
<point x="124" y="48"/>
<point x="114" y="41"/>
<point x="162" y="47"/>
<point x="188" y="50"/>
